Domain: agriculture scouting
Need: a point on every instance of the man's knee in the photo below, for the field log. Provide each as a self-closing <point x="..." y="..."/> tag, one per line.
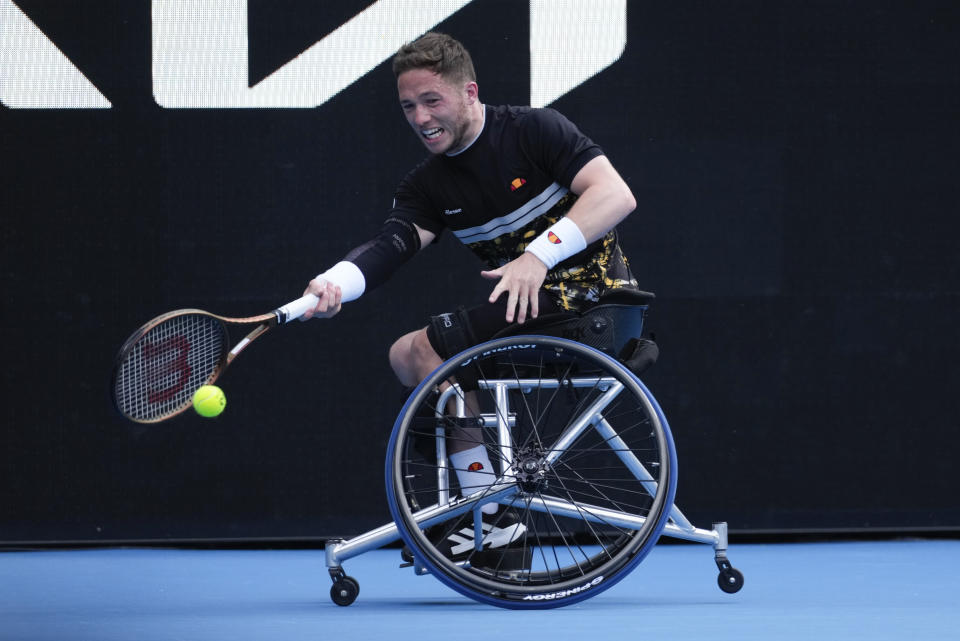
<point x="424" y="357"/>
<point x="422" y="350"/>
<point x="412" y="357"/>
<point x="400" y="358"/>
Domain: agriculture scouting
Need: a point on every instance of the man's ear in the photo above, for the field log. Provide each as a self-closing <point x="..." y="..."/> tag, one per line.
<point x="472" y="91"/>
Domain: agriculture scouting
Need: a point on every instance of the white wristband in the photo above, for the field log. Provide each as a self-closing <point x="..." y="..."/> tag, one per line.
<point x="562" y="240"/>
<point x="348" y="278"/>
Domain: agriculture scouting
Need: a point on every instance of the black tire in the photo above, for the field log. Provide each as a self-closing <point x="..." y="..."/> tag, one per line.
<point x="593" y="507"/>
<point x="730" y="580"/>
<point x="344" y="590"/>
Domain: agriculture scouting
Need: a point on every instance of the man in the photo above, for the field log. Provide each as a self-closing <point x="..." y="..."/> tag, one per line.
<point x="523" y="188"/>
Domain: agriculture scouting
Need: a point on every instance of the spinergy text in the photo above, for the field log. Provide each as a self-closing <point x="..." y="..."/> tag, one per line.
<point x="563" y="593"/>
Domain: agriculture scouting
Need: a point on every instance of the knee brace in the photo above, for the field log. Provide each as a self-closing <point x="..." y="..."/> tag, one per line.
<point x="451" y="333"/>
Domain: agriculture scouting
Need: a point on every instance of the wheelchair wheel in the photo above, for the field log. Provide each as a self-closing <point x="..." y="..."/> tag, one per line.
<point x="583" y="460"/>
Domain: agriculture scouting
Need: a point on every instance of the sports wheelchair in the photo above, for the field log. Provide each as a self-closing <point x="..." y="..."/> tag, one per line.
<point x="584" y="460"/>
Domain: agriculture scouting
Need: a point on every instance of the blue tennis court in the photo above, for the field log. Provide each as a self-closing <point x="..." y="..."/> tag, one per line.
<point x="844" y="590"/>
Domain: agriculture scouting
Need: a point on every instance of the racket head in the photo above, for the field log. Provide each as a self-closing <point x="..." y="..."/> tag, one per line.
<point x="163" y="363"/>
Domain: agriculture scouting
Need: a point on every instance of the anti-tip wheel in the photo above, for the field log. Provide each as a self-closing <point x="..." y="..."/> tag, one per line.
<point x="730" y="580"/>
<point x="344" y="591"/>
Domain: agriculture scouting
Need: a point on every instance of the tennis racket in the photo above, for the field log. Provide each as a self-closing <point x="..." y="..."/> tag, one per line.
<point x="164" y="362"/>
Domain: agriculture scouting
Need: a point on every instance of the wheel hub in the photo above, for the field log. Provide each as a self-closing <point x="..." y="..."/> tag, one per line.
<point x="531" y="470"/>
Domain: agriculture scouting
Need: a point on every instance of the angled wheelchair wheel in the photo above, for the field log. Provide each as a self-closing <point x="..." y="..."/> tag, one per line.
<point x="584" y="472"/>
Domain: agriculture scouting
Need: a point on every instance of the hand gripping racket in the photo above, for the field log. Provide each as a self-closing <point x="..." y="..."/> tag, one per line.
<point x="164" y="362"/>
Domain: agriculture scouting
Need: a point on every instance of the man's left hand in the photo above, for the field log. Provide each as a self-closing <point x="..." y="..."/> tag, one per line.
<point x="521" y="278"/>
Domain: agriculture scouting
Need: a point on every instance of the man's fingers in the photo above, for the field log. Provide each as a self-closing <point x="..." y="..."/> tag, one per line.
<point x="495" y="294"/>
<point x="337" y="295"/>
<point x="321" y="305"/>
<point x="328" y="300"/>
<point x="522" y="281"/>
<point x="522" y="315"/>
<point x="512" y="305"/>
<point x="518" y="302"/>
<point x="493" y="274"/>
<point x="529" y="300"/>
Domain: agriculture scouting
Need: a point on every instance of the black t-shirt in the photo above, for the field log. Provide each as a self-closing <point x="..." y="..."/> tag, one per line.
<point x="505" y="189"/>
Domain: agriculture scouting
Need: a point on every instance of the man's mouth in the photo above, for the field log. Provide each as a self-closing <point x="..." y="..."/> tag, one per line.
<point x="432" y="134"/>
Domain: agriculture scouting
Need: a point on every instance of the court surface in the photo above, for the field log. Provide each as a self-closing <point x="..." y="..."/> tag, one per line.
<point x="904" y="590"/>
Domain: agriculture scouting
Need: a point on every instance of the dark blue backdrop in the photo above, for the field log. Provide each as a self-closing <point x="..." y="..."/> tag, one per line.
<point x="795" y="166"/>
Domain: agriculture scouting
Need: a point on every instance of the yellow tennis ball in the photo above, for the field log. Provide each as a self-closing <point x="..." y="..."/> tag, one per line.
<point x="209" y="401"/>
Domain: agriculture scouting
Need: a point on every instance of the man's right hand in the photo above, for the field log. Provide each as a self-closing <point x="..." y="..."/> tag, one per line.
<point x="329" y="295"/>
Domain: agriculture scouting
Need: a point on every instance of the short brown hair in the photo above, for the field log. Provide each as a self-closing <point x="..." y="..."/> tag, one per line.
<point x="440" y="54"/>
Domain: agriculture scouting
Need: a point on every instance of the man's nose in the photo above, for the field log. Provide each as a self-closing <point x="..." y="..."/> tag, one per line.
<point x="421" y="115"/>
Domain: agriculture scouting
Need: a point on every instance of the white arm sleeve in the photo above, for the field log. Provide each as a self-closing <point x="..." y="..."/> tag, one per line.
<point x="348" y="278"/>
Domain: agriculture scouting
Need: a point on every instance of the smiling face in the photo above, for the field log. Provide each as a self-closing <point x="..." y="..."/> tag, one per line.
<point x="445" y="116"/>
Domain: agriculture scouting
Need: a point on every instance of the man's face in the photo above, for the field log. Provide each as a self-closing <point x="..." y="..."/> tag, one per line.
<point x="438" y="111"/>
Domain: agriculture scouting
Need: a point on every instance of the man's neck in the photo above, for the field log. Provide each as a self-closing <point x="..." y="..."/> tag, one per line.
<point x="481" y="122"/>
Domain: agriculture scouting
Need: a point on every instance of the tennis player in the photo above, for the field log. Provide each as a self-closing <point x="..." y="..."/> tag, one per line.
<point x="534" y="198"/>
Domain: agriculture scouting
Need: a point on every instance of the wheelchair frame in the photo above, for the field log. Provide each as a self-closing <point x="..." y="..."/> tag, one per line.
<point x="671" y="521"/>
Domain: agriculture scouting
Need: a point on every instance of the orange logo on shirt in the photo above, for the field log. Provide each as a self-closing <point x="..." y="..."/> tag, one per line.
<point x="517" y="184"/>
<point x="476" y="466"/>
<point x="553" y="238"/>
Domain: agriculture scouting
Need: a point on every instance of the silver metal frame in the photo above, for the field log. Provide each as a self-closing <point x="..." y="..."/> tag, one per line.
<point x="678" y="526"/>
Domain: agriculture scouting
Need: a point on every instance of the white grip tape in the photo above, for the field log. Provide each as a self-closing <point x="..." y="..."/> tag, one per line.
<point x="295" y="309"/>
<point x="559" y="242"/>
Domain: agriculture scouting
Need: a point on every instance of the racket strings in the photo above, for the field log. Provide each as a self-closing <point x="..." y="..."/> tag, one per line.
<point x="167" y="364"/>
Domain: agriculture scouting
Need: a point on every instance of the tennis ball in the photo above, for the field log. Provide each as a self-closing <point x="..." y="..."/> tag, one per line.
<point x="209" y="401"/>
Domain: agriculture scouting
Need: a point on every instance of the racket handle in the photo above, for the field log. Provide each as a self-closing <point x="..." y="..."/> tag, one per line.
<point x="295" y="309"/>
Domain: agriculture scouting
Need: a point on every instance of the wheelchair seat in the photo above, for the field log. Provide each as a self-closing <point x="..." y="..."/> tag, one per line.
<point x="608" y="326"/>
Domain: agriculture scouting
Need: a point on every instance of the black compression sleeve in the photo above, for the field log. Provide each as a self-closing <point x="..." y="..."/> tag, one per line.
<point x="379" y="258"/>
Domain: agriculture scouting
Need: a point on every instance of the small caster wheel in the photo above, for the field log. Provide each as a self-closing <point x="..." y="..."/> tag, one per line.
<point x="344" y="590"/>
<point x="730" y="580"/>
